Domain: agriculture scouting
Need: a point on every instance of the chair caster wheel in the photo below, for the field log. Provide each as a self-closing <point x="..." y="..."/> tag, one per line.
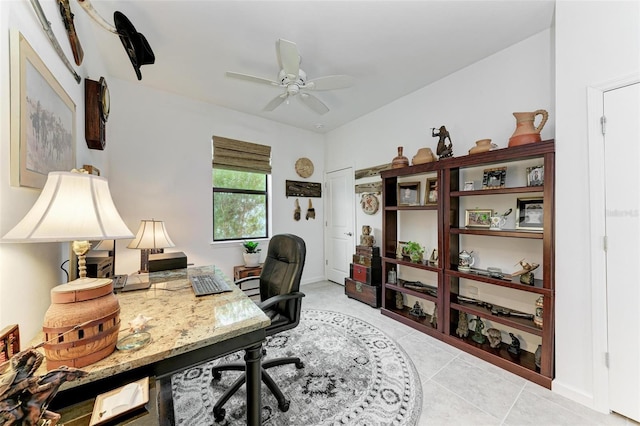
<point x="284" y="407"/>
<point x="299" y="365"/>
<point x="219" y="414"/>
<point x="216" y="375"/>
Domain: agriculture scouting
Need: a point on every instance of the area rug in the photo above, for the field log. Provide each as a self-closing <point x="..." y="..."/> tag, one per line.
<point x="354" y="375"/>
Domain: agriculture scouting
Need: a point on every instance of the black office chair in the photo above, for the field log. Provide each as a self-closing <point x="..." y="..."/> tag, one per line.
<point x="281" y="300"/>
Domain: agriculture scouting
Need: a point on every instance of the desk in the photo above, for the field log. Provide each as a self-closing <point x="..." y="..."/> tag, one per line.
<point x="186" y="330"/>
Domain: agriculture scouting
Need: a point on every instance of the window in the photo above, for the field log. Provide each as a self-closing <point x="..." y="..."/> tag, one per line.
<point x="240" y="182"/>
<point x="240" y="201"/>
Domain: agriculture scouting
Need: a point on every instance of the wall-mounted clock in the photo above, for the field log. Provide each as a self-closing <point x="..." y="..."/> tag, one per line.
<point x="97" y="105"/>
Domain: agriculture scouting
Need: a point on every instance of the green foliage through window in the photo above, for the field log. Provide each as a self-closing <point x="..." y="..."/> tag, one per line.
<point x="240" y="201"/>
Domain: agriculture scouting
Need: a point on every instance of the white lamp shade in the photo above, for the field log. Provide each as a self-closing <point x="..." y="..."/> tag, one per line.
<point x="72" y="206"/>
<point x="151" y="235"/>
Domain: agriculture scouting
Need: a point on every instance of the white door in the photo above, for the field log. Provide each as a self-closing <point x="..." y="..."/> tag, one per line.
<point x="339" y="224"/>
<point x="622" y="221"/>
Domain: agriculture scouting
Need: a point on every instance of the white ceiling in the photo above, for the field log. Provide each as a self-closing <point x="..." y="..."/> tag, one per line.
<point x="391" y="48"/>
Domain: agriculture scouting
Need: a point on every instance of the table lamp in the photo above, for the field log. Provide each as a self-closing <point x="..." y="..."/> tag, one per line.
<point x="82" y="323"/>
<point x="152" y="237"/>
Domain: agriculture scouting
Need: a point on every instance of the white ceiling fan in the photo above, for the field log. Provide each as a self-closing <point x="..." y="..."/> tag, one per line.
<point x="294" y="80"/>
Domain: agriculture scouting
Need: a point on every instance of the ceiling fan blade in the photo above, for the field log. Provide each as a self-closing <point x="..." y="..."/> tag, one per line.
<point x="288" y="57"/>
<point x="275" y="102"/>
<point x="314" y="103"/>
<point x="330" y="82"/>
<point x="251" y="78"/>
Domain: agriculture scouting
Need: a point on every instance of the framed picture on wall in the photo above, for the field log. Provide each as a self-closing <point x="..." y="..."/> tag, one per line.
<point x="409" y="194"/>
<point x="535" y="175"/>
<point x="43" y="118"/>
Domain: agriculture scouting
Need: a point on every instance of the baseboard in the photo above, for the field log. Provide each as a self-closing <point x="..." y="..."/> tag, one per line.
<point x="575" y="395"/>
<point x="309" y="280"/>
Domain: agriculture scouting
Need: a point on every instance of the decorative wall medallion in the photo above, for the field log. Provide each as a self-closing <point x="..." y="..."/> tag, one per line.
<point x="370" y="203"/>
<point x="304" y="167"/>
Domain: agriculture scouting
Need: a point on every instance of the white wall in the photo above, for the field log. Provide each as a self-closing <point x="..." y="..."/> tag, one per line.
<point x="159" y="148"/>
<point x="596" y="42"/>
<point x="474" y="103"/>
<point x="157" y="160"/>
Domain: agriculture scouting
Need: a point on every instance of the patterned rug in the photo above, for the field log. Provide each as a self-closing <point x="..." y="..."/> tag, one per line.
<point x="354" y="375"/>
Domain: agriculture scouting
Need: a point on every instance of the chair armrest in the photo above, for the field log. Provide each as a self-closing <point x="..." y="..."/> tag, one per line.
<point x="244" y="280"/>
<point x="280" y="298"/>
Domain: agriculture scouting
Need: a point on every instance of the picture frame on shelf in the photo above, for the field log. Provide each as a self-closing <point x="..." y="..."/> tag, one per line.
<point x="469" y="186"/>
<point x="478" y="218"/>
<point x="409" y="194"/>
<point x="494" y="178"/>
<point x="535" y="175"/>
<point x="431" y="192"/>
<point x="43" y="118"/>
<point x="530" y="214"/>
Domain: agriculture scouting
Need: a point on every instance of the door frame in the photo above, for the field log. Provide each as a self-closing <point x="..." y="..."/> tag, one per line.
<point x="597" y="229"/>
<point x="352" y="212"/>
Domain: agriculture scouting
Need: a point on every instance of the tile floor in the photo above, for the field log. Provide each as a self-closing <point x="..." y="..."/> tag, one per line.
<point x="458" y="388"/>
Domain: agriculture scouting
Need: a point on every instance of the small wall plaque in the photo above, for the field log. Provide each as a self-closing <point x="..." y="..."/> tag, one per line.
<point x="303" y="189"/>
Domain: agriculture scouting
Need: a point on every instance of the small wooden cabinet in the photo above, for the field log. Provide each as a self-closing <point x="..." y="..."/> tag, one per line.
<point x="252" y="287"/>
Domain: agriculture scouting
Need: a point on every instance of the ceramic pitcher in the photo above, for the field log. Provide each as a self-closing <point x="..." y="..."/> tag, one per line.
<point x="526" y="130"/>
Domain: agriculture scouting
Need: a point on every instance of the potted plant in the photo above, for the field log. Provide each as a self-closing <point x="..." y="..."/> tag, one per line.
<point x="251" y="253"/>
<point x="414" y="250"/>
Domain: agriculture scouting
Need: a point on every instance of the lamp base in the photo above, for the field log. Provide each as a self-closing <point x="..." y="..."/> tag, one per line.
<point x="82" y="324"/>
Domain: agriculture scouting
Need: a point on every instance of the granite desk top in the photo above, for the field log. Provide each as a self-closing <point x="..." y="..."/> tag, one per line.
<point x="180" y="322"/>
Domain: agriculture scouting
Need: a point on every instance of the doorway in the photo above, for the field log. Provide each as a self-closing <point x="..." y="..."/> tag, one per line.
<point x="614" y="159"/>
<point x="339" y="224"/>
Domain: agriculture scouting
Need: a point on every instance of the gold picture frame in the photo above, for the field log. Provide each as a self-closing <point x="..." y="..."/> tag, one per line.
<point x="431" y="192"/>
<point x="43" y="118"/>
<point x="478" y="218"/>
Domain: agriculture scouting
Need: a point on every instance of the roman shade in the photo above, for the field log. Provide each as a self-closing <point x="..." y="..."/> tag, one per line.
<point x="241" y="156"/>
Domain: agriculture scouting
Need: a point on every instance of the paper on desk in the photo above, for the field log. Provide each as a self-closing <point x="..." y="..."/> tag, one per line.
<point x="128" y="397"/>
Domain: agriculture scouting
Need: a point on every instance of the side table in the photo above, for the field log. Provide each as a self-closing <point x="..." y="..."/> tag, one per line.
<point x="252" y="287"/>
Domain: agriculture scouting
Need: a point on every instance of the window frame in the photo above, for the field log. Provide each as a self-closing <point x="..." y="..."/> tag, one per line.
<point x="267" y="193"/>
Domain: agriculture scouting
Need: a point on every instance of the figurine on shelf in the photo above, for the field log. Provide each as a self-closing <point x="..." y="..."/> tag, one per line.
<point x="463" y="324"/>
<point x="477" y="336"/>
<point x="495" y="337"/>
<point x="399" y="300"/>
<point x="526" y="273"/>
<point x="434" y="316"/>
<point x="443" y="149"/>
<point x="514" y="347"/>
<point x="417" y="310"/>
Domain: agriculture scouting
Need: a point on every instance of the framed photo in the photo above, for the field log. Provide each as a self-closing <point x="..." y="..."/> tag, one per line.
<point x="431" y="192"/>
<point x="478" y="218"/>
<point x="409" y="194"/>
<point x="494" y="178"/>
<point x="530" y="213"/>
<point x="535" y="175"/>
<point x="468" y="186"/>
<point x="43" y="118"/>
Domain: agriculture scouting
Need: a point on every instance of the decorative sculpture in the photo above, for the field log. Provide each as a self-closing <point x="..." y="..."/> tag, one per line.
<point x="24" y="398"/>
<point x="443" y="149"/>
<point x="477" y="336"/>
<point x="417" y="310"/>
<point x="526" y="273"/>
<point x="495" y="337"/>
<point x="463" y="324"/>
<point x="514" y="347"/>
<point x="139" y="323"/>
<point x="434" y="316"/>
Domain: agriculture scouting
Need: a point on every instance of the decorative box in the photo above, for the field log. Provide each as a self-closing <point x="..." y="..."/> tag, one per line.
<point x="369" y="294"/>
<point x="366" y="274"/>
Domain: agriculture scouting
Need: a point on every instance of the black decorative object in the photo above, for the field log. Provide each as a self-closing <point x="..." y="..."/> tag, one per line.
<point x="443" y="149"/>
<point x="514" y="347"/>
<point x="303" y="189"/>
<point x="477" y="336"/>
<point x="417" y="311"/>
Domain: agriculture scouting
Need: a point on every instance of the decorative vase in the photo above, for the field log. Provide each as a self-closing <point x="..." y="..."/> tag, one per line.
<point x="251" y="259"/>
<point x="424" y="155"/>
<point x="399" y="161"/>
<point x="526" y="132"/>
<point x="483" y="145"/>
